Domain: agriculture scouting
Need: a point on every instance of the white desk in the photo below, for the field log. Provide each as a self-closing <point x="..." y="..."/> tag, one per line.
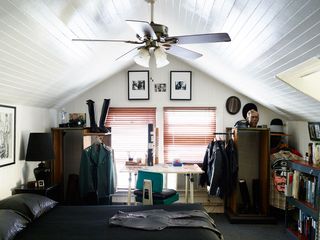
<point x="187" y="170"/>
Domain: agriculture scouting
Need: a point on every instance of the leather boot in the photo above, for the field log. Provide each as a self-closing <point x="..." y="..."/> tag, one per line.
<point x="103" y="116"/>
<point x="255" y="195"/>
<point x="93" y="124"/>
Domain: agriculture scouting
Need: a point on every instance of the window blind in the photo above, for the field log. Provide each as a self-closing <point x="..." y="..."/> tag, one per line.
<point x="187" y="132"/>
<point x="129" y="129"/>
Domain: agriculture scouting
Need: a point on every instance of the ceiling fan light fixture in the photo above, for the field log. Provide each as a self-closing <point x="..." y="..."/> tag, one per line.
<point x="143" y="57"/>
<point x="161" y="57"/>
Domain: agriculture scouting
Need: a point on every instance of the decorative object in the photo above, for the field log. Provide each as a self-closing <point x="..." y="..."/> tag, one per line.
<point x="246" y="108"/>
<point x="77" y="119"/>
<point x="7" y="135"/>
<point x="314" y="131"/>
<point x="180" y="85"/>
<point x="233" y="105"/>
<point x="138" y="85"/>
<point x="40" y="149"/>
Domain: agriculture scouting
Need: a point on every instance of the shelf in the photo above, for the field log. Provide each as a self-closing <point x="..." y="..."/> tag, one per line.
<point x="305" y="167"/>
<point x="305" y="207"/>
<point x="295" y="234"/>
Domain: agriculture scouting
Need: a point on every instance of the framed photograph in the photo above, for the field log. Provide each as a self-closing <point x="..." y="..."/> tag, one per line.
<point x="138" y="85"/>
<point x="160" y="87"/>
<point x="180" y="85"/>
<point x="314" y="131"/>
<point x="7" y="135"/>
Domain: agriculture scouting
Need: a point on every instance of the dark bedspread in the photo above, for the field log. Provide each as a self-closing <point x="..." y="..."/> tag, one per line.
<point x="92" y="222"/>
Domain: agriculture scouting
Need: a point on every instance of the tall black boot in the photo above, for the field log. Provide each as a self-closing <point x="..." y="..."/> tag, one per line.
<point x="255" y="195"/>
<point x="103" y="116"/>
<point x="246" y="205"/>
<point x="93" y="124"/>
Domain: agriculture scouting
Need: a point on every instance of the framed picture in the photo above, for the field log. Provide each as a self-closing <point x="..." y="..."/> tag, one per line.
<point x="314" y="131"/>
<point x="7" y="135"/>
<point x="180" y="85"/>
<point x="138" y="85"/>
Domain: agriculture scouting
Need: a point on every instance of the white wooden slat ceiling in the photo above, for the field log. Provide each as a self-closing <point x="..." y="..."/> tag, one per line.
<point x="41" y="66"/>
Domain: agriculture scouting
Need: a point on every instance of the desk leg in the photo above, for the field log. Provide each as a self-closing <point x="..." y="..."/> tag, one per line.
<point x="191" y="188"/>
<point x="186" y="189"/>
<point x="129" y="189"/>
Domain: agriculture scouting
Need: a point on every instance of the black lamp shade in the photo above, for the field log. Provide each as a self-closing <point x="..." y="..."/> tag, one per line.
<point x="40" y="149"/>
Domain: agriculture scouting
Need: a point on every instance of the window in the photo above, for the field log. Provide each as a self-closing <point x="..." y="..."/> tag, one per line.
<point x="187" y="133"/>
<point x="129" y="127"/>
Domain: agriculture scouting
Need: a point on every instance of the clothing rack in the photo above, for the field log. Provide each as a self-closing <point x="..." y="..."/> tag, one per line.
<point x="223" y="133"/>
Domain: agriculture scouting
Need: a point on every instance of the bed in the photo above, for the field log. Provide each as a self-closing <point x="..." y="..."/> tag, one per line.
<point x="52" y="221"/>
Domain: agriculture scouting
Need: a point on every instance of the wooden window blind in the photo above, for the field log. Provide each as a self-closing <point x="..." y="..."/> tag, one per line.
<point x="187" y="132"/>
<point x="129" y="129"/>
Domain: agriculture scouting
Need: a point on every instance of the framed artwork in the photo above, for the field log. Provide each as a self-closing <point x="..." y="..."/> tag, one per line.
<point x="138" y="85"/>
<point x="180" y="85"/>
<point x="314" y="131"/>
<point x="160" y="87"/>
<point x="7" y="135"/>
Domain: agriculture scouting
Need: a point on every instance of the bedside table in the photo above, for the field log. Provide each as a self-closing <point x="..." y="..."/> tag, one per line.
<point x="49" y="191"/>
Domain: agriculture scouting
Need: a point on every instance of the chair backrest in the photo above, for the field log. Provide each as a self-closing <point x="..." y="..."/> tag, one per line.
<point x="156" y="178"/>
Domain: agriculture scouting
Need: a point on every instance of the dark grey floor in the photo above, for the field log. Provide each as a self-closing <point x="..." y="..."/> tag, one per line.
<point x="250" y="231"/>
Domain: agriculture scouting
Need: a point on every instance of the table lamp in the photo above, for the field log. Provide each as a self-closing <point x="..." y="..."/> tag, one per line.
<point x="40" y="149"/>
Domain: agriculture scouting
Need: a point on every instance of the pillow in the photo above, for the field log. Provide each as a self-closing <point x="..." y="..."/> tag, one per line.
<point x="11" y="223"/>
<point x="29" y="205"/>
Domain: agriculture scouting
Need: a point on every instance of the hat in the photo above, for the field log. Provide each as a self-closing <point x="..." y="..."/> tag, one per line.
<point x="276" y="126"/>
<point x="246" y="108"/>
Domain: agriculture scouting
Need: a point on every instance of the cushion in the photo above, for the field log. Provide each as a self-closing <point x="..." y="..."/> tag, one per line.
<point x="29" y="205"/>
<point x="11" y="223"/>
<point x="166" y="193"/>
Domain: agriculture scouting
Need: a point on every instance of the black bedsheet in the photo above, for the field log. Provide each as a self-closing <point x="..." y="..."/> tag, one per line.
<point x="92" y="222"/>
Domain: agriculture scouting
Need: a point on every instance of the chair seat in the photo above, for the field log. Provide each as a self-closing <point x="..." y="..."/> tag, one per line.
<point x="166" y="193"/>
<point x="167" y="197"/>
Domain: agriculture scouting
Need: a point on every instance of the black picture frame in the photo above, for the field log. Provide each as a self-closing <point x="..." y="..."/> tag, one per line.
<point x="180" y="85"/>
<point x="138" y="85"/>
<point x="314" y="131"/>
<point x="7" y="135"/>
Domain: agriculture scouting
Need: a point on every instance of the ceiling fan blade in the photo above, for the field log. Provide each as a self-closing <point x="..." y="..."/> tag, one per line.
<point x="142" y="28"/>
<point x="105" y="40"/>
<point x="203" y="38"/>
<point x="183" y="52"/>
<point x="130" y="54"/>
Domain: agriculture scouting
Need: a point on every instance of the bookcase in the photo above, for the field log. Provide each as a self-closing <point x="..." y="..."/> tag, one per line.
<point x="302" y="207"/>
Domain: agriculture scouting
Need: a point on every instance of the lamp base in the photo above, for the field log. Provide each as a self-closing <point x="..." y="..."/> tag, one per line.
<point x="42" y="173"/>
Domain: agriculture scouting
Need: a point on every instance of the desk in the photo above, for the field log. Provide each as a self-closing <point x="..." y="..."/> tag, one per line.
<point x="187" y="170"/>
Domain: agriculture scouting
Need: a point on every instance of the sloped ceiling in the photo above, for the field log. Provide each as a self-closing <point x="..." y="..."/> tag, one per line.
<point x="41" y="66"/>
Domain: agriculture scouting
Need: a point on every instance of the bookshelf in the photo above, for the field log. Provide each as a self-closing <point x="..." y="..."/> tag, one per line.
<point x="302" y="208"/>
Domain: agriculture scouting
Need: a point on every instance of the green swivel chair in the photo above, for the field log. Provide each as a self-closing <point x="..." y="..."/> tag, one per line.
<point x="152" y="182"/>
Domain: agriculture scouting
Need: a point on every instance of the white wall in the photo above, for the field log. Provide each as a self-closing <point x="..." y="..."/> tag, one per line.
<point x="298" y="135"/>
<point x="205" y="92"/>
<point x="28" y="119"/>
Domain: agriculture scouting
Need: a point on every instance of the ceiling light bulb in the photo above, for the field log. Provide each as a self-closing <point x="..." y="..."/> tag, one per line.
<point x="143" y="57"/>
<point x="161" y="57"/>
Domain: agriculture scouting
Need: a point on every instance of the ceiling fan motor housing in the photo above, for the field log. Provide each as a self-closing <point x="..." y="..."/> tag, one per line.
<point x="160" y="30"/>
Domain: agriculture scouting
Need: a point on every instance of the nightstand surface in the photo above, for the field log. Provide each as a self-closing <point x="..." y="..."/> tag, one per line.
<point x="49" y="191"/>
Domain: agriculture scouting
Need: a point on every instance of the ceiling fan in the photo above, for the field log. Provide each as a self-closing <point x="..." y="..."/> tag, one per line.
<point x="154" y="38"/>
